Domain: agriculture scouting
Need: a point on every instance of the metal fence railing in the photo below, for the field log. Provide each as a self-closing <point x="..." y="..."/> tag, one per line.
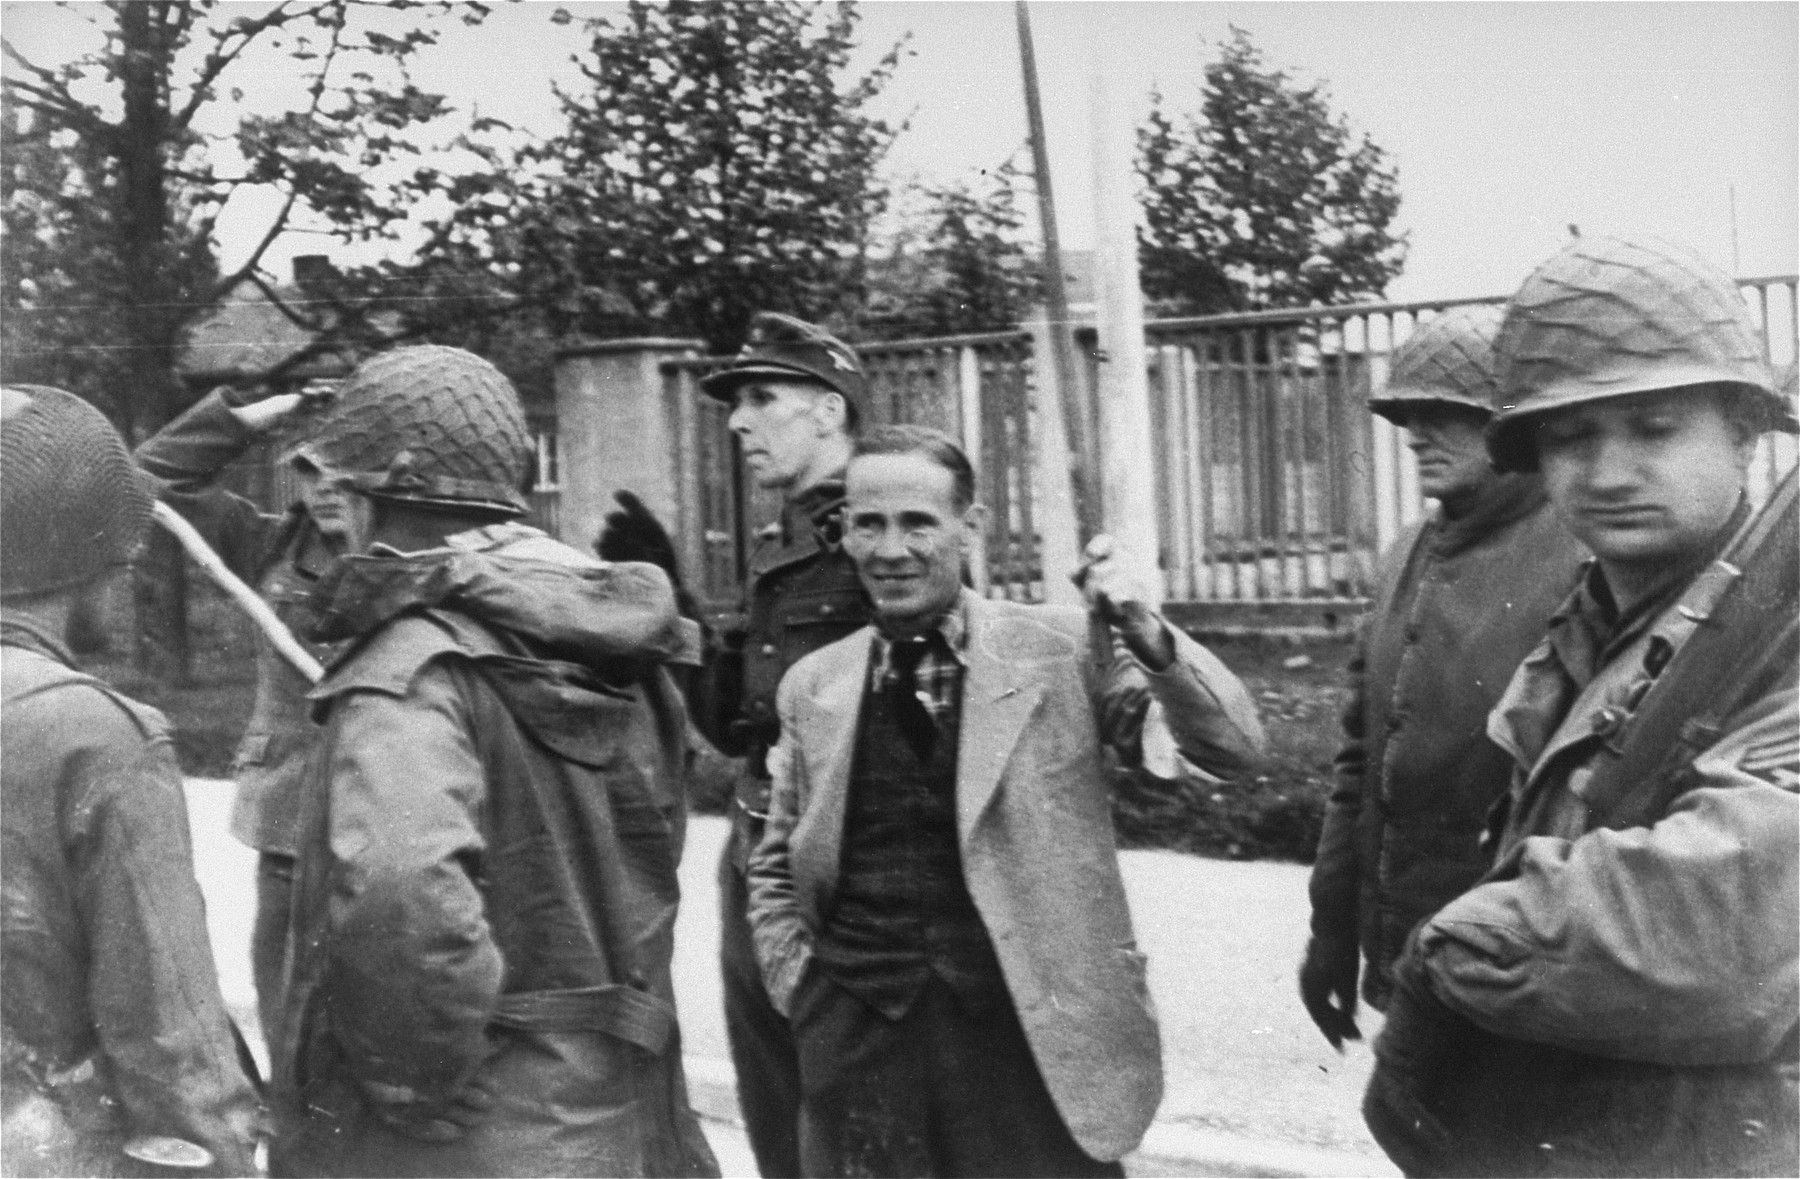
<point x="1277" y="483"/>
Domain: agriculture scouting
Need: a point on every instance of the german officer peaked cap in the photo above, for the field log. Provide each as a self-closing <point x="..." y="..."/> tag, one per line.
<point x="782" y="346"/>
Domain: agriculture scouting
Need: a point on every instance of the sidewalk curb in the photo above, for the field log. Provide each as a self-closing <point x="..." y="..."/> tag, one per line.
<point x="1168" y="1148"/>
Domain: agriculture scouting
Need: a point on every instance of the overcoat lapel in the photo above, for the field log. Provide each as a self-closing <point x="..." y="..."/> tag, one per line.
<point x="999" y="697"/>
<point x="829" y="741"/>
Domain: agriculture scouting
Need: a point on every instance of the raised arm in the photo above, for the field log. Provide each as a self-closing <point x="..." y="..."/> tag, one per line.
<point x="186" y="457"/>
<point x="1196" y="702"/>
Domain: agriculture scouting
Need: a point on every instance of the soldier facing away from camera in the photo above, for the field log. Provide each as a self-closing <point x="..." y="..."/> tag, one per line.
<point x="485" y="907"/>
<point x="797" y="395"/>
<point x="1619" y="994"/>
<point x="116" y="1057"/>
<point x="1459" y="601"/>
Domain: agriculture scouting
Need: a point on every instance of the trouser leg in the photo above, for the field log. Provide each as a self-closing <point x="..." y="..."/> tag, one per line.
<point x="991" y="1113"/>
<point x="762" y="1043"/>
<point x="865" y="1079"/>
<point x="268" y="936"/>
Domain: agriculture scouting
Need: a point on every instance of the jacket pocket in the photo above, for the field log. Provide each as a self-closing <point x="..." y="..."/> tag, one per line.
<point x="812" y="620"/>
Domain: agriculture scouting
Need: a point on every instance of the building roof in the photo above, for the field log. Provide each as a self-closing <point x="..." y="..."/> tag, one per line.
<point x="247" y="334"/>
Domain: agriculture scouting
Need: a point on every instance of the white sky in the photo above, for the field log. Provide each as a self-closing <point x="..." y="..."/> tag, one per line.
<point x="1507" y="121"/>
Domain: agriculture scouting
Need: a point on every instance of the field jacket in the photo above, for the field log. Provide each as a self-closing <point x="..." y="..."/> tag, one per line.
<point x="1458" y="605"/>
<point x="1632" y="993"/>
<point x="113" y="1024"/>
<point x="485" y="911"/>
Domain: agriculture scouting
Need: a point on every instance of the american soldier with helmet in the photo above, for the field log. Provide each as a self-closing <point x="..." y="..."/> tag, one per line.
<point x="478" y="978"/>
<point x="1458" y="602"/>
<point x="116" y="1057"/>
<point x="1619" y="994"/>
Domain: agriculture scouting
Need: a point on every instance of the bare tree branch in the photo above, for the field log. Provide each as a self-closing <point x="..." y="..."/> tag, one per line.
<point x="245" y="32"/>
<point x="50" y="95"/>
<point x="225" y="285"/>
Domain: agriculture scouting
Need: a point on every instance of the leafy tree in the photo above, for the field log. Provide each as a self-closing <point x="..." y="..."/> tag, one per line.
<point x="114" y="176"/>
<point x="959" y="261"/>
<point x="721" y="162"/>
<point x="1262" y="199"/>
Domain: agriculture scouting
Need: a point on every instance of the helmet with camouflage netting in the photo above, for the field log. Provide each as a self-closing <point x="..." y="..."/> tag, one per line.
<point x="1608" y="317"/>
<point x="73" y="503"/>
<point x="1447" y="360"/>
<point x="428" y="425"/>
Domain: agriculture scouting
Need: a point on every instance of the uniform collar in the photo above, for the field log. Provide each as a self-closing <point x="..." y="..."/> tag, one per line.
<point x="1504" y="499"/>
<point x="812" y="508"/>
<point x="19" y="630"/>
<point x="952" y="626"/>
<point x="1589" y="630"/>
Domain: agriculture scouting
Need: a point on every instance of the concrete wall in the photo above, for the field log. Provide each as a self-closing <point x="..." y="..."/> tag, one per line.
<point x="617" y="430"/>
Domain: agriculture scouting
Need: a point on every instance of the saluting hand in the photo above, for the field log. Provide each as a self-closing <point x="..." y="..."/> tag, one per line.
<point x="1119" y="598"/>
<point x="267" y="413"/>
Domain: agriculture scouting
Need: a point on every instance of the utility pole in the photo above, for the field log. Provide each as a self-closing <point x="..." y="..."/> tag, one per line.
<point x="1077" y="421"/>
<point x="1128" y="477"/>
<point x="1736" y="267"/>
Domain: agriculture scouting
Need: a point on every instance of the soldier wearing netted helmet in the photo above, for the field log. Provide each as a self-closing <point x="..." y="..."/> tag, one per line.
<point x="116" y="1057"/>
<point x="1619" y="994"/>
<point x="1459" y="600"/>
<point x="485" y="904"/>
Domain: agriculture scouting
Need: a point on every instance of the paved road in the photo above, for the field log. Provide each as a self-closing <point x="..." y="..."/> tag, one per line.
<point x="1251" y="1086"/>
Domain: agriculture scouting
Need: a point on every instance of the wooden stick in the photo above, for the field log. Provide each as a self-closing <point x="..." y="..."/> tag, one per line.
<point x="245" y="598"/>
<point x="1077" y="420"/>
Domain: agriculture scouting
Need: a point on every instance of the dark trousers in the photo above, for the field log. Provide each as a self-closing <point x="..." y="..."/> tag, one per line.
<point x="949" y="1089"/>
<point x="268" y="936"/>
<point x="762" y="1043"/>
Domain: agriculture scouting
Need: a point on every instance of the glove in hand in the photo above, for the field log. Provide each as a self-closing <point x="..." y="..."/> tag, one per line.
<point x="633" y="533"/>
<point x="1328" y="988"/>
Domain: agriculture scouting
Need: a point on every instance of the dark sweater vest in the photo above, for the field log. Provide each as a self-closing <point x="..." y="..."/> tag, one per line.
<point x="902" y="912"/>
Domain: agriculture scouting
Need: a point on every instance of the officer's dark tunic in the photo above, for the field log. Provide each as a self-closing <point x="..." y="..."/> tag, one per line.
<point x="802" y="594"/>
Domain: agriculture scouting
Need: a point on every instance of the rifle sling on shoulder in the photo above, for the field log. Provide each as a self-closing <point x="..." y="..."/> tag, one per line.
<point x="1739" y="648"/>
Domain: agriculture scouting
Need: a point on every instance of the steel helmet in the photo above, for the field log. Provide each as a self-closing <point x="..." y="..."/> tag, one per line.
<point x="72" y="502"/>
<point x="1448" y="360"/>
<point x="1610" y="316"/>
<point x="428" y="425"/>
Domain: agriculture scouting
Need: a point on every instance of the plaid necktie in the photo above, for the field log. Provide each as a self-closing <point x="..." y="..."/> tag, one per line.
<point x="902" y="688"/>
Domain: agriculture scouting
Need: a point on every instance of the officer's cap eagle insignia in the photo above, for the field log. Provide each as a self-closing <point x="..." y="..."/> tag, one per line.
<point x="773" y="327"/>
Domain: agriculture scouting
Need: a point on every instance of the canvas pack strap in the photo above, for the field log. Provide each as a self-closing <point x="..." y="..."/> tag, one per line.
<point x="1744" y="640"/>
<point x="623" y="1012"/>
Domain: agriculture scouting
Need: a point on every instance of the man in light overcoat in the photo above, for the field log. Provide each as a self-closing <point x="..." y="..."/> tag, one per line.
<point x="937" y="901"/>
